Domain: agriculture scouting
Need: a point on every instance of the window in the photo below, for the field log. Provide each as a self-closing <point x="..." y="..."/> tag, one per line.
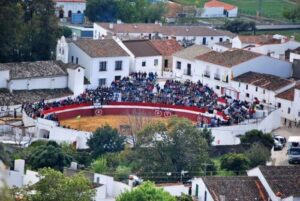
<point x="264" y="101"/>
<point x="256" y="88"/>
<point x="247" y="95"/>
<point x="299" y="114"/>
<point x="118" y="65"/>
<point x="289" y="110"/>
<point x="217" y="87"/>
<point x="178" y="65"/>
<point x="102" y="82"/>
<point x="155" y="62"/>
<point x="220" y="40"/>
<point x="76" y="60"/>
<point x="118" y="77"/>
<point x="72" y="59"/>
<point x="264" y="91"/>
<point x="166" y="63"/>
<point x="144" y="63"/>
<point x="246" y="86"/>
<point x="211" y="38"/>
<point x="102" y="66"/>
<point x="239" y="84"/>
<point x="279" y="105"/>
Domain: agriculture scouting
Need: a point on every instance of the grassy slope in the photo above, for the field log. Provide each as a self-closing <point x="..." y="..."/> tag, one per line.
<point x="270" y="8"/>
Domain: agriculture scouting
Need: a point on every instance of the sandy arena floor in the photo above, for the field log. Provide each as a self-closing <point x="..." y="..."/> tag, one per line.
<point x="116" y="121"/>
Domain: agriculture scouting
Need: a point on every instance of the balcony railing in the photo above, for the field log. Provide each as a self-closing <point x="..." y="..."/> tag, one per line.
<point x="217" y="77"/>
<point x="206" y="74"/>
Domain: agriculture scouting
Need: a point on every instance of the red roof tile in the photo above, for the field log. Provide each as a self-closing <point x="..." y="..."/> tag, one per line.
<point x="287" y="95"/>
<point x="215" y="3"/>
<point x="166" y="47"/>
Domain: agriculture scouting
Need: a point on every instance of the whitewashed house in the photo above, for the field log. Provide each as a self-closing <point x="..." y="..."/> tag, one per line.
<point x="144" y="57"/>
<point x="65" y="8"/>
<point x="295" y="54"/>
<point x="104" y="60"/>
<point x="275" y="46"/>
<point x="288" y="103"/>
<point x="183" y="34"/>
<point x="41" y="75"/>
<point x="263" y="87"/>
<point x="216" y="8"/>
<point x="228" y="188"/>
<point x="218" y="69"/>
<point x="280" y="182"/>
<point x="184" y="62"/>
<point x="222" y="47"/>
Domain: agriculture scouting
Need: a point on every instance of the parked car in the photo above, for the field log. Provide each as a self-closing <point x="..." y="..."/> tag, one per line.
<point x="277" y="145"/>
<point x="294" y="149"/>
<point x="281" y="139"/>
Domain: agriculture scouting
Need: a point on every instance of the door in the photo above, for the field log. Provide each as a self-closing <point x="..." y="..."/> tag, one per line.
<point x="166" y="63"/>
<point x="204" y="41"/>
<point x="197" y="190"/>
<point x="189" y="71"/>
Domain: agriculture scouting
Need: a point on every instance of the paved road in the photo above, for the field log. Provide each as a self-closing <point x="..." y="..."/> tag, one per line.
<point x="278" y="27"/>
<point x="280" y="157"/>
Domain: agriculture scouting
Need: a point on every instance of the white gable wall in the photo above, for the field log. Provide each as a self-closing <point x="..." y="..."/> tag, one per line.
<point x="264" y="64"/>
<point x="4" y="77"/>
<point x="71" y="6"/>
<point x="99" y="31"/>
<point x="233" y="12"/>
<point x="150" y="67"/>
<point x="213" y="12"/>
<point x="181" y="73"/>
<point x="198" y="183"/>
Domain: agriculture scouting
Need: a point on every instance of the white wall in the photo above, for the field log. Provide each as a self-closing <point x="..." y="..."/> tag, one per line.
<point x="264" y="64"/>
<point x="219" y="48"/>
<point x="201" y="190"/>
<point x="71" y="6"/>
<point x="233" y="12"/>
<point x="150" y="67"/>
<point x="55" y="82"/>
<point x="294" y="56"/>
<point x="213" y="12"/>
<point x="4" y="77"/>
<point x="293" y="106"/>
<point x="76" y="80"/>
<point x="180" y="73"/>
<point x="99" y="31"/>
<point x="110" y="72"/>
<point x="176" y="190"/>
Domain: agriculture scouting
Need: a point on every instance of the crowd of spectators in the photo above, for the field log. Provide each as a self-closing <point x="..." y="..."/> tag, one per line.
<point x="142" y="87"/>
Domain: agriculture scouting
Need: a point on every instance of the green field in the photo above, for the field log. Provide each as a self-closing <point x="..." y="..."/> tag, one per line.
<point x="270" y="8"/>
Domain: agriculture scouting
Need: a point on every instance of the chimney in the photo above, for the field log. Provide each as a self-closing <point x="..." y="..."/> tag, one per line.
<point x="111" y="25"/>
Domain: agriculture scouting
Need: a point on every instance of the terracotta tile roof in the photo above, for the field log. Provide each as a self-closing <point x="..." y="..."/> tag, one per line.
<point x="236" y="188"/>
<point x="70" y="1"/>
<point x="259" y="39"/>
<point x="215" y="3"/>
<point x="288" y="94"/>
<point x="193" y="51"/>
<point x="23" y="70"/>
<point x="283" y="179"/>
<point x="166" y="47"/>
<point x="165" y="29"/>
<point x="141" y="48"/>
<point x="173" y="9"/>
<point x="100" y="48"/>
<point x="265" y="81"/>
<point x="228" y="58"/>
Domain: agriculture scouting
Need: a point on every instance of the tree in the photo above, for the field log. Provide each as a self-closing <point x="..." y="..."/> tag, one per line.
<point x="105" y="140"/>
<point x="66" y="32"/>
<point x="5" y="156"/>
<point x="292" y="14"/>
<point x="172" y="147"/>
<point x="206" y="133"/>
<point x="184" y="197"/>
<point x="146" y="192"/>
<point x="237" y="26"/>
<point x="235" y="162"/>
<point x="100" y="165"/>
<point x="48" y="155"/>
<point x="54" y="186"/>
<point x="257" y="136"/>
<point x="258" y="155"/>
<point x="101" y="10"/>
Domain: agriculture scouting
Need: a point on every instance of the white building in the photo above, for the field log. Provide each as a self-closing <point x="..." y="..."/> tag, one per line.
<point x="216" y="8"/>
<point x="104" y="60"/>
<point x="222" y="47"/>
<point x="65" y="8"/>
<point x="217" y="69"/>
<point x="228" y="188"/>
<point x="288" y="103"/>
<point x="275" y="46"/>
<point x="184" y="63"/>
<point x="183" y="34"/>
<point x="295" y="54"/>
<point x="263" y="87"/>
<point x="280" y="182"/>
<point x="41" y="75"/>
<point x="144" y="56"/>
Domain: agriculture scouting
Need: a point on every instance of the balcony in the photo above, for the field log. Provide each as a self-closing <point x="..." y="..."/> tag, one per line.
<point x="217" y="77"/>
<point x="206" y="74"/>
